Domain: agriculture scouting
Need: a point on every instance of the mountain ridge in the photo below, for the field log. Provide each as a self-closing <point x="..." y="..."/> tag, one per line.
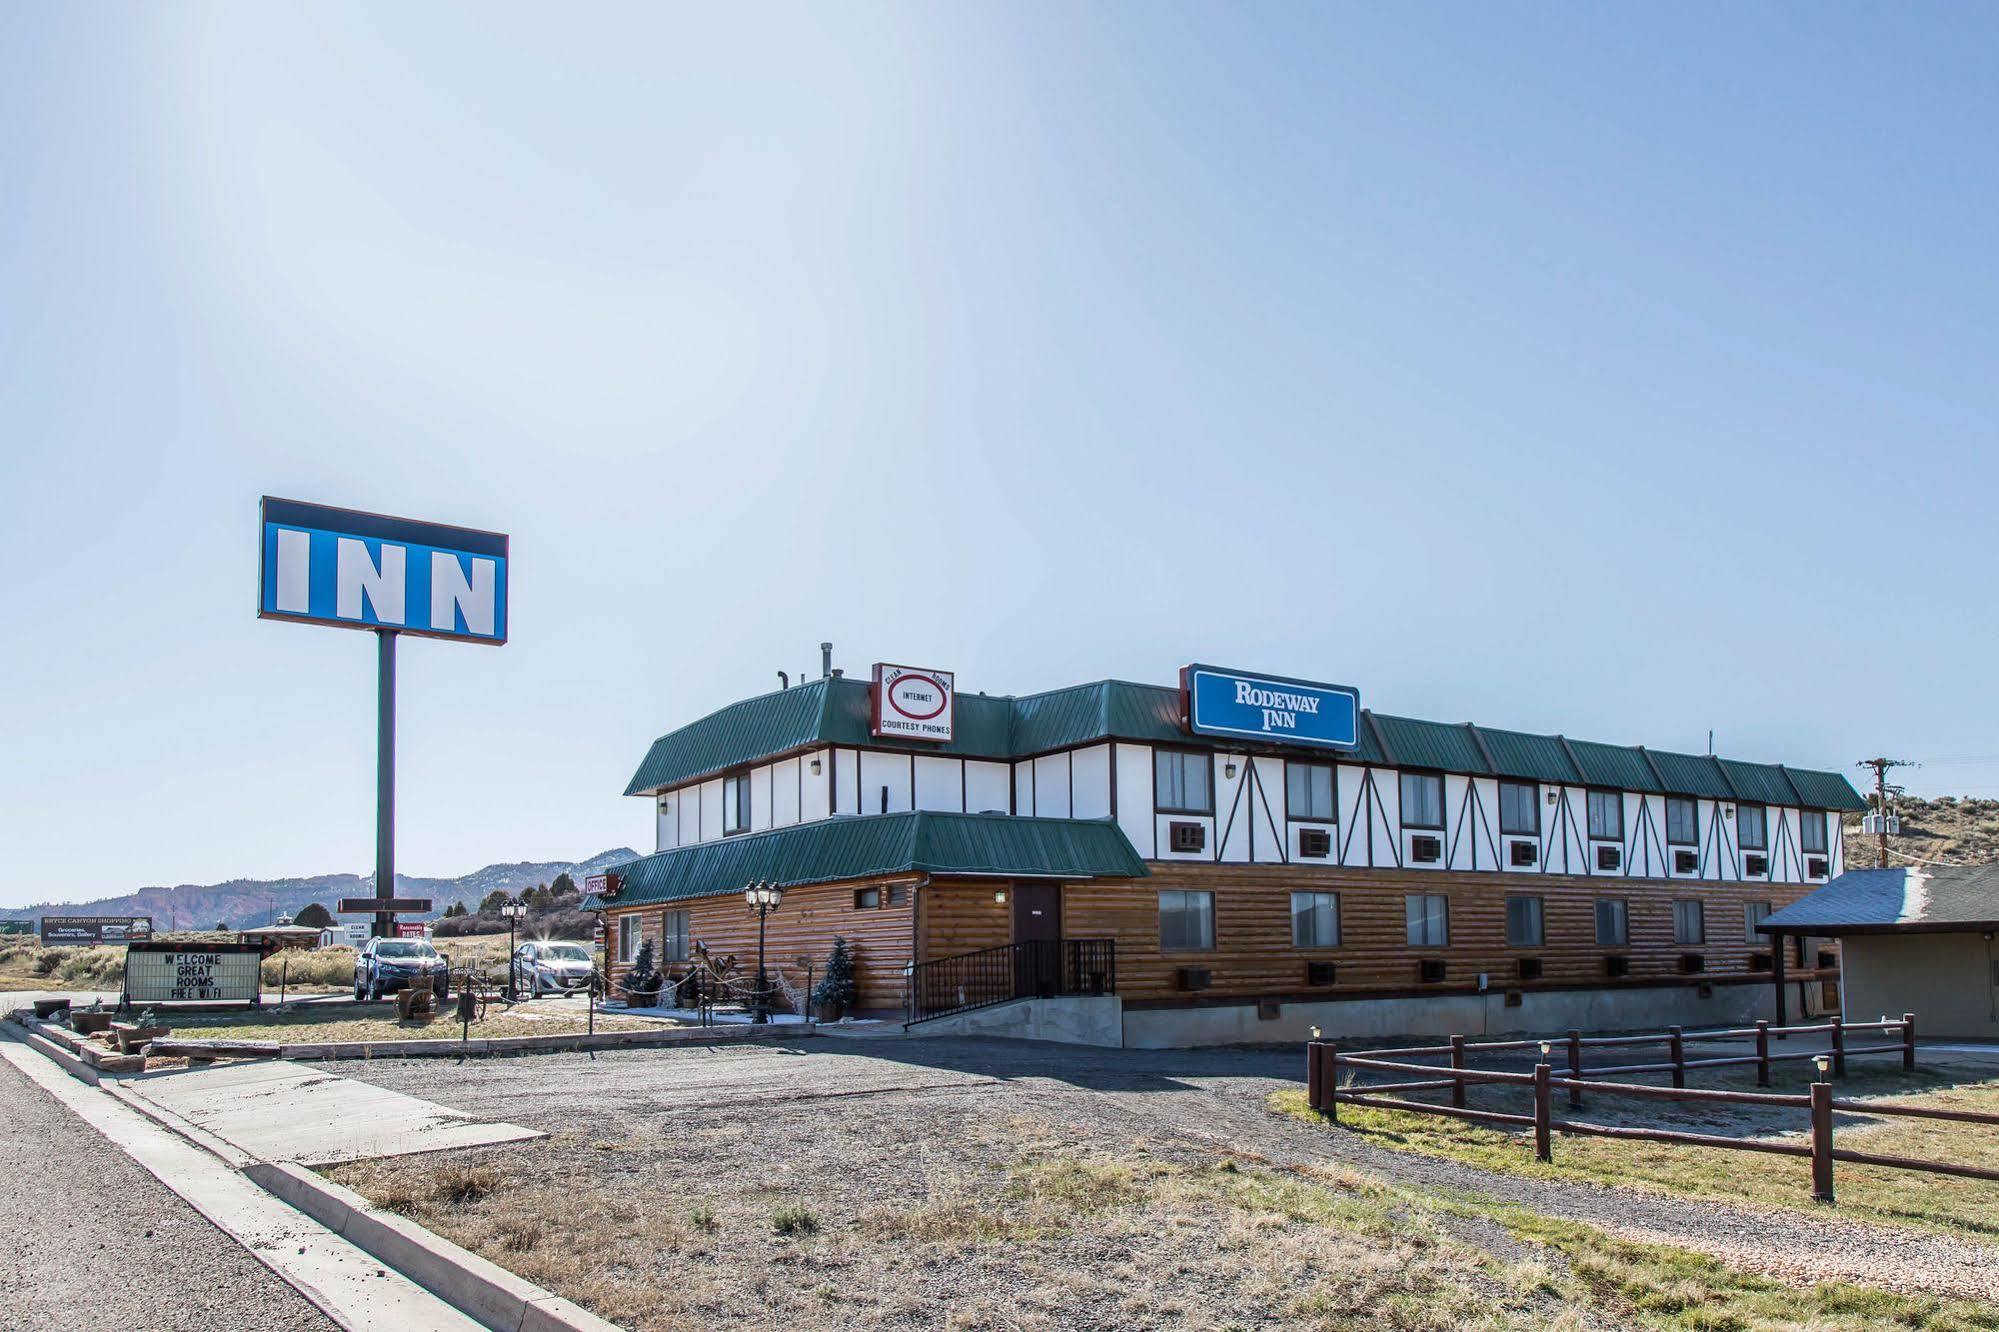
<point x="244" y="903"/>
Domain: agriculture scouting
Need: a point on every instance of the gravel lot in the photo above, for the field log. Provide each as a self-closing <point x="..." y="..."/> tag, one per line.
<point x="94" y="1242"/>
<point x="861" y="1128"/>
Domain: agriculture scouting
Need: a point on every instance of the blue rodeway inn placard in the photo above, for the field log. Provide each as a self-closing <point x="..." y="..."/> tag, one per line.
<point x="1272" y="708"/>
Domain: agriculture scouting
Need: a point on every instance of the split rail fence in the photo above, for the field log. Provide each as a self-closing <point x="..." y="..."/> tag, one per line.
<point x="1324" y="1065"/>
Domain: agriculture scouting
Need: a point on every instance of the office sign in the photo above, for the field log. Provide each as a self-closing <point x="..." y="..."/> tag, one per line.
<point x="358" y="570"/>
<point x="87" y="931"/>
<point x="911" y="703"/>
<point x="1272" y="708"/>
<point x="176" y="973"/>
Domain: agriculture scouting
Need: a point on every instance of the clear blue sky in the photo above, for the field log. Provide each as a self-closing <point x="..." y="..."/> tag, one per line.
<point x="1625" y="371"/>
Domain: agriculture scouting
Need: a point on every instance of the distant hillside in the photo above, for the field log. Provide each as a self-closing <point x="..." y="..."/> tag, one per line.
<point x="247" y="902"/>
<point x="1949" y="828"/>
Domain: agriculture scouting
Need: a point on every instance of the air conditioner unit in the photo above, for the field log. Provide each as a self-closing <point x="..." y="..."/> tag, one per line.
<point x="1530" y="968"/>
<point x="1522" y="853"/>
<point x="1686" y="862"/>
<point x="1315" y="842"/>
<point x="1319" y="973"/>
<point x="1815" y="867"/>
<point x="1692" y="964"/>
<point x="1828" y="961"/>
<point x="1187" y="836"/>
<point x="1193" y="978"/>
<point x="1617" y="965"/>
<point x="1761" y="962"/>
<point x="1426" y="850"/>
<point x="1609" y="857"/>
<point x="1430" y="968"/>
<point x="1755" y="867"/>
<point x="1269" y="1010"/>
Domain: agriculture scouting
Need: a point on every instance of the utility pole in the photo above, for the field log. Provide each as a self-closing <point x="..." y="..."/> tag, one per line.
<point x="1881" y="766"/>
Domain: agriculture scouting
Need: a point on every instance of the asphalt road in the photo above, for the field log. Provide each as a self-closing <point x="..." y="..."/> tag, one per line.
<point x="89" y="1240"/>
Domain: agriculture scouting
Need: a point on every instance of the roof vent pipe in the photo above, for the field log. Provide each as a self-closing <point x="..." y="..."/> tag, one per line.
<point x="783" y="680"/>
<point x="825" y="659"/>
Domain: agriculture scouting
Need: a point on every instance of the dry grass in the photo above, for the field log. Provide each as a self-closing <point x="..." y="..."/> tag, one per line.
<point x="26" y="965"/>
<point x="377" y="1022"/>
<point x="1869" y="1193"/>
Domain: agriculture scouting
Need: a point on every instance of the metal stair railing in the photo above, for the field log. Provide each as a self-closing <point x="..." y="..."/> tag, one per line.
<point x="1029" y="969"/>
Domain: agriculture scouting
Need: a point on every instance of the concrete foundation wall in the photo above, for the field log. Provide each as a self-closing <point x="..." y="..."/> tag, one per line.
<point x="1073" y="1020"/>
<point x="1947" y="980"/>
<point x="1445" y="1015"/>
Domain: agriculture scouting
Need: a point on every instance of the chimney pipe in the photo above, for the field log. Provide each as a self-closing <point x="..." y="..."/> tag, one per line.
<point x="783" y="680"/>
<point x="825" y="659"/>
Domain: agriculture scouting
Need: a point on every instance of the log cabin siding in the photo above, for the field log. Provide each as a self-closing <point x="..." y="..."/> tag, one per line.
<point x="800" y="931"/>
<point x="1253" y="954"/>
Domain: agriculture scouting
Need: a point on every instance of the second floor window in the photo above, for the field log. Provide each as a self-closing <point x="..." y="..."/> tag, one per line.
<point x="1308" y="791"/>
<point x="1315" y="920"/>
<point x="1520" y="808"/>
<point x="1682" y="821"/>
<point x="1523" y="922"/>
<point x="735" y="804"/>
<point x="1429" y="919"/>
<point x="1606" y="816"/>
<point x="1422" y="800"/>
<point x="1613" y="922"/>
<point x="1752" y="827"/>
<point x="1184" y="779"/>
<point x="1689" y="922"/>
<point x="1811" y="832"/>
<point x="673" y="936"/>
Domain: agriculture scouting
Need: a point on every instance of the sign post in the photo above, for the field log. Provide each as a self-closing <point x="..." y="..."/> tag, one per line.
<point x="394" y="576"/>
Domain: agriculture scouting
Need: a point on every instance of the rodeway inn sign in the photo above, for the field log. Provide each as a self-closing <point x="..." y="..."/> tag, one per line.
<point x="1269" y="707"/>
<point x="366" y="571"/>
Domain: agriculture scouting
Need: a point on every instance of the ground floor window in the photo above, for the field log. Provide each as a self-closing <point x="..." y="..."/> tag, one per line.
<point x="1524" y="922"/>
<point x="1429" y="917"/>
<point x="1689" y="922"/>
<point x="1186" y="920"/>
<point x="673" y="936"/>
<point x="1315" y="920"/>
<point x="1613" y="922"/>
<point x="1754" y="914"/>
<point x="628" y="938"/>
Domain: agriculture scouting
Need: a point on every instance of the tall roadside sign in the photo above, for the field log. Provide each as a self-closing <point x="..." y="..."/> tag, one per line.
<point x="392" y="576"/>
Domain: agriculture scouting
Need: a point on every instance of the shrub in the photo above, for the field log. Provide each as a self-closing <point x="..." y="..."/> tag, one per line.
<point x="793" y="1219"/>
<point x="837" y="988"/>
<point x="295" y="966"/>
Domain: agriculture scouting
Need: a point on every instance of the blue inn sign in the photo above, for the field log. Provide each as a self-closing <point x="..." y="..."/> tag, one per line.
<point x="1271" y="708"/>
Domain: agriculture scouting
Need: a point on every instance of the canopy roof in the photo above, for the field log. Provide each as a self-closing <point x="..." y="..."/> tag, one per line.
<point x="833" y="850"/>
<point x="834" y="711"/>
<point x="1885" y="901"/>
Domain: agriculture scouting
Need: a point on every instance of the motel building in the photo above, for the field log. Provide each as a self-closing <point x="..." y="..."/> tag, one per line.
<point x="1237" y="857"/>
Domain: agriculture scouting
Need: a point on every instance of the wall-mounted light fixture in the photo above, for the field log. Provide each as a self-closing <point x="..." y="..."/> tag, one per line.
<point x="1553" y="796"/>
<point x="1228" y="770"/>
<point x="999" y="895"/>
<point x="1728" y="811"/>
<point x="666" y="804"/>
<point x="815" y="767"/>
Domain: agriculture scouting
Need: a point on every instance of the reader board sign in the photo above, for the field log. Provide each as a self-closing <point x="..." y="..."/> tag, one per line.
<point x="89" y="930"/>
<point x="912" y="703"/>
<point x="1271" y="708"/>
<point x="322" y="565"/>
<point x="177" y="973"/>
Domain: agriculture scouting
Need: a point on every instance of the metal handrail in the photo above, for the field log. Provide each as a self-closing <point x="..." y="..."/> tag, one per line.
<point x="1029" y="968"/>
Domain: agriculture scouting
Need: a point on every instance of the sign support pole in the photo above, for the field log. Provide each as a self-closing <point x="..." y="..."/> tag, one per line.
<point x="385" y="777"/>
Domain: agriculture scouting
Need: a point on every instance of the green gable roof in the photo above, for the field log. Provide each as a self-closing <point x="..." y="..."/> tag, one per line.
<point x="833" y="850"/>
<point x="835" y="712"/>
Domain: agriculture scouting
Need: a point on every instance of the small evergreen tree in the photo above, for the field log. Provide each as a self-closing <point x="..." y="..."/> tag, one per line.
<point x="837" y="989"/>
<point x="221" y="927"/>
<point x="564" y="889"/>
<point x="643" y="981"/>
<point x="490" y="904"/>
<point x="315" y="915"/>
<point x="537" y="898"/>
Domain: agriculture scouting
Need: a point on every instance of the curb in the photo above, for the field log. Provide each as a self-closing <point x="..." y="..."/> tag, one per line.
<point x="480" y="1289"/>
<point x="494" y="1045"/>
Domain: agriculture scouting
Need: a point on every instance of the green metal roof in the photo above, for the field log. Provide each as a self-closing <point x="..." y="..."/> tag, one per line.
<point x="835" y="712"/>
<point x="1613" y="765"/>
<point x="833" y="850"/>
<point x="1539" y="758"/>
<point x="1428" y="744"/>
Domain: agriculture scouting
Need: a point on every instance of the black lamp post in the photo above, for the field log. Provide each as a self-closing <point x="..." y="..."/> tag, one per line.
<point x="764" y="897"/>
<point x="513" y="911"/>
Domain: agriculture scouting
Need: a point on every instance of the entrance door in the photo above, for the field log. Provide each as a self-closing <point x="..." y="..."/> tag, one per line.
<point x="1037" y="925"/>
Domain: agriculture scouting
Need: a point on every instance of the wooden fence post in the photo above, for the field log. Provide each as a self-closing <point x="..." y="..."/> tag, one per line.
<point x="1822" y="1142"/>
<point x="1762" y="1052"/>
<point x="1908" y="1042"/>
<point x="1575" y="1068"/>
<point x="1329" y="1078"/>
<point x="1838" y="1048"/>
<point x="1542" y="1148"/>
<point x="1679" y="1049"/>
<point x="1315" y="1091"/>
<point x="1458" y="1063"/>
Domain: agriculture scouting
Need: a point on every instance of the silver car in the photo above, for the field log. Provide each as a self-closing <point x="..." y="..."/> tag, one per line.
<point x="551" y="968"/>
<point x="384" y="966"/>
